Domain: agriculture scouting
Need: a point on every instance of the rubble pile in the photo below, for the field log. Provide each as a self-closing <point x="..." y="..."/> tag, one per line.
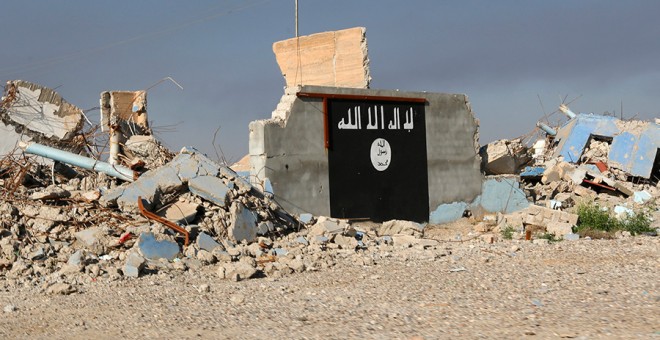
<point x="578" y="163"/>
<point x="68" y="219"/>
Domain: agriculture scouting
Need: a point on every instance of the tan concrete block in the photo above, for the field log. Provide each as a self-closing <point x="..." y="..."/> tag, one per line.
<point x="335" y="58"/>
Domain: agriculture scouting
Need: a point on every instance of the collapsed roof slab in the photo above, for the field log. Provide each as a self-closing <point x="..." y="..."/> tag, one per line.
<point x="634" y="144"/>
<point x="41" y="110"/>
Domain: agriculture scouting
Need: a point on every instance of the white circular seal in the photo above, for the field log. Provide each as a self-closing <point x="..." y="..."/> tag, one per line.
<point x="381" y="154"/>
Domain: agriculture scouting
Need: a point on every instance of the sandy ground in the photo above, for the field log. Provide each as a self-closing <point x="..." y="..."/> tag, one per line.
<point x="511" y="289"/>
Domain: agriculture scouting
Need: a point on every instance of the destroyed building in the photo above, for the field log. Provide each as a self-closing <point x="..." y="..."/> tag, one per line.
<point x="336" y="148"/>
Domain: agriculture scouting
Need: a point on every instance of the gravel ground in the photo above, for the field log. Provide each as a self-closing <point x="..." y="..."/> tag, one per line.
<point x="511" y="289"/>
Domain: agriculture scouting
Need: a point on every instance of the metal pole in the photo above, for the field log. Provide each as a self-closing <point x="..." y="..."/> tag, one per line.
<point x="117" y="171"/>
<point x="547" y="129"/>
<point x="296" y="18"/>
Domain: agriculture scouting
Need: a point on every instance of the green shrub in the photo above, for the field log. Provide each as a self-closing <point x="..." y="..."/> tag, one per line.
<point x="592" y="218"/>
<point x="507" y="232"/>
<point x="549" y="237"/>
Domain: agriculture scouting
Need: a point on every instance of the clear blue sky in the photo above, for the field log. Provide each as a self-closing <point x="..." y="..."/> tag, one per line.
<point x="502" y="54"/>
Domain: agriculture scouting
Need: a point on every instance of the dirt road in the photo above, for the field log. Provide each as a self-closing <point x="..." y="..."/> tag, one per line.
<point x="511" y="289"/>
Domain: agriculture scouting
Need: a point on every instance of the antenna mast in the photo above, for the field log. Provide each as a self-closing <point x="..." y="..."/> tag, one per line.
<point x="296" y="18"/>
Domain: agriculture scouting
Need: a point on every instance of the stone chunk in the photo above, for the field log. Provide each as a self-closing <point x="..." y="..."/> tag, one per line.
<point x="302" y="240"/>
<point x="206" y="242"/>
<point x="559" y="229"/>
<point x="346" y="242"/>
<point x="76" y="258"/>
<point x="210" y="188"/>
<point x="153" y="249"/>
<point x="180" y="212"/>
<point x="306" y="218"/>
<point x="133" y="265"/>
<point x="60" y="289"/>
<point x="50" y="193"/>
<point x="325" y="226"/>
<point x="90" y="238"/>
<point x="241" y="270"/>
<point x="243" y="224"/>
<point x="400" y="227"/>
<point x="400" y="240"/>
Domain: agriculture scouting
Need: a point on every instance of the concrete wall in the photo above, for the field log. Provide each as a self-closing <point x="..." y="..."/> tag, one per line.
<point x="290" y="152"/>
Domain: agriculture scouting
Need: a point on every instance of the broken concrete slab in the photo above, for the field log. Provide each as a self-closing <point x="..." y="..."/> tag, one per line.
<point x="206" y="242"/>
<point x="180" y="212"/>
<point x="633" y="144"/>
<point x="504" y="157"/>
<point x="153" y="249"/>
<point x="211" y="188"/>
<point x="41" y="111"/>
<point x="243" y="224"/>
<point x="151" y="186"/>
<point x="336" y="58"/>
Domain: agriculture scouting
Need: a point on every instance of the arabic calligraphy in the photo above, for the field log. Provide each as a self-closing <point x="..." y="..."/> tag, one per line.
<point x="375" y="121"/>
<point x="381" y="154"/>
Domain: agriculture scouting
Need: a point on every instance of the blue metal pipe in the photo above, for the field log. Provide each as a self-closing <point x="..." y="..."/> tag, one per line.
<point x="564" y="109"/>
<point x="116" y="171"/>
<point x="547" y="129"/>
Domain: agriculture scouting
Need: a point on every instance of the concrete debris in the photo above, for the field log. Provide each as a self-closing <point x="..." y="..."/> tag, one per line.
<point x="504" y="157"/>
<point x="337" y="58"/>
<point x="206" y="242"/>
<point x="134" y="265"/>
<point x="397" y="227"/>
<point x="41" y="115"/>
<point x="153" y="249"/>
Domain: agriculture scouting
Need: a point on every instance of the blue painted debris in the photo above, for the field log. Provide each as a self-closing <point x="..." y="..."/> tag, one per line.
<point x="305" y="218"/>
<point x="153" y="249"/>
<point x="532" y="172"/>
<point x="641" y="196"/>
<point x="500" y="194"/>
<point x="446" y="213"/>
<point x="302" y="240"/>
<point x="279" y="252"/>
<point x="632" y="150"/>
